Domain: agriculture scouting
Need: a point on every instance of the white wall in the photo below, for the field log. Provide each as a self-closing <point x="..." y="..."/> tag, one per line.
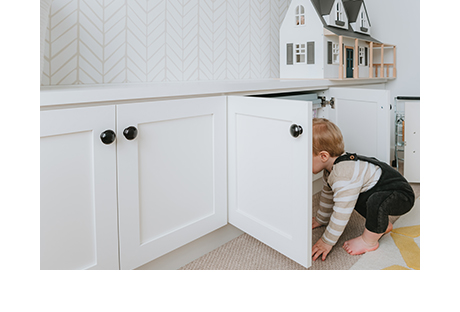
<point x="90" y="42"/>
<point x="398" y="22"/>
<point x="121" y="41"/>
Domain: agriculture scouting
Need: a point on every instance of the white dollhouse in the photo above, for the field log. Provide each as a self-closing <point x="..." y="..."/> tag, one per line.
<point x="331" y="39"/>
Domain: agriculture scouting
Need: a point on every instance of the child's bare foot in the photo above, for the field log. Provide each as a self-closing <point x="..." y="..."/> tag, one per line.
<point x="368" y="241"/>
<point x="358" y="246"/>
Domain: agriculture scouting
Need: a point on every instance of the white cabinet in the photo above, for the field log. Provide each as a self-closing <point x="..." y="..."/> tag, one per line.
<point x="270" y="173"/>
<point x="168" y="177"/>
<point x="172" y="178"/>
<point x="78" y="203"/>
<point x="412" y="141"/>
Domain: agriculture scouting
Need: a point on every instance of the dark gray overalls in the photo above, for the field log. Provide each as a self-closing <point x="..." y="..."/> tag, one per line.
<point x="391" y="196"/>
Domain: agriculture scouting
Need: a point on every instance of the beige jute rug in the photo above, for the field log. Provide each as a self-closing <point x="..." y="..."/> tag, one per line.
<point x="247" y="253"/>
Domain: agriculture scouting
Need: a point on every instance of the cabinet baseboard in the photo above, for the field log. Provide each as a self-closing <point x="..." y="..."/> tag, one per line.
<point x="193" y="250"/>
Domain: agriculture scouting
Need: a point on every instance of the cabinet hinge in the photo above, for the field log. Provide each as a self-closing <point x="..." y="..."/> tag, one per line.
<point x="331" y="102"/>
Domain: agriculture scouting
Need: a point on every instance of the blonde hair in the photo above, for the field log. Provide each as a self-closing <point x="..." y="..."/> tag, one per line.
<point x="327" y="137"/>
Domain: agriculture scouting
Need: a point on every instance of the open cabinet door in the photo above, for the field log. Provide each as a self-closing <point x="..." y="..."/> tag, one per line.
<point x="269" y="173"/>
<point x="363" y="116"/>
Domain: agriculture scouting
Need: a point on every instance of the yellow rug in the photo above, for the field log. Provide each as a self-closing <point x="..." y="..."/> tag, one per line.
<point x="410" y="251"/>
<point x="399" y="249"/>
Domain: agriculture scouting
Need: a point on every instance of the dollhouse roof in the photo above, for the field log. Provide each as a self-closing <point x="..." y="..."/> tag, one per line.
<point x="324" y="7"/>
<point x="352" y="8"/>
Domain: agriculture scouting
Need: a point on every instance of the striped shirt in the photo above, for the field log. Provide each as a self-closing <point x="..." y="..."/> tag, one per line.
<point x="341" y="189"/>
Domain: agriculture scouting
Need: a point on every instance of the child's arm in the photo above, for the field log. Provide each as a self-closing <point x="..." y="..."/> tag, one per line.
<point x="346" y="189"/>
<point x="338" y="219"/>
<point x="342" y="210"/>
<point x="325" y="203"/>
<point x="346" y="184"/>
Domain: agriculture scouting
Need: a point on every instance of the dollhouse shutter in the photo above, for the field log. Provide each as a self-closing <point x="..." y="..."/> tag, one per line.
<point x="365" y="56"/>
<point x="289" y="54"/>
<point x="329" y="52"/>
<point x="311" y="52"/>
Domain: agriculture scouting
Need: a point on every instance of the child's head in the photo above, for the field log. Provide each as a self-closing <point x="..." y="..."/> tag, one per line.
<point x="327" y="137"/>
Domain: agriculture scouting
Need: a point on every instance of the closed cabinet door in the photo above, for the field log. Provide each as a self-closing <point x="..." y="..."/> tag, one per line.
<point x="269" y="172"/>
<point x="171" y="175"/>
<point x="363" y="116"/>
<point x="412" y="141"/>
<point x="78" y="199"/>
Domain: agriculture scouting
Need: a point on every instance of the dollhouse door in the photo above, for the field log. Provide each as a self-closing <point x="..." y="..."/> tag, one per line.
<point x="349" y="63"/>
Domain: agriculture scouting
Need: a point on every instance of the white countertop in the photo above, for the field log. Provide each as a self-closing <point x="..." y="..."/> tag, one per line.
<point x="95" y="94"/>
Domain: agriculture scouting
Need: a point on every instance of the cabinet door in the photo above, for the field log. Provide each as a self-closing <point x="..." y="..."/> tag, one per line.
<point x="270" y="173"/>
<point x="363" y="116"/>
<point x="78" y="199"/>
<point x="171" y="177"/>
<point x="412" y="141"/>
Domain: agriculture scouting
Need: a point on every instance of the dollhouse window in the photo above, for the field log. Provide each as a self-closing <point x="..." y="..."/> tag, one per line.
<point x="363" y="20"/>
<point x="332" y="53"/>
<point x="300" y="53"/>
<point x="300" y="15"/>
<point x="339" y="10"/>
<point x="361" y="55"/>
<point x="335" y="53"/>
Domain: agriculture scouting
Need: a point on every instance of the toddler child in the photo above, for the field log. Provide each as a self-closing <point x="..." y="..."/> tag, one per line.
<point x="371" y="187"/>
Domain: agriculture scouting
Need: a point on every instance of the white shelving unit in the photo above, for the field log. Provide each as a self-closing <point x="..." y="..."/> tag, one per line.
<point x="407" y="136"/>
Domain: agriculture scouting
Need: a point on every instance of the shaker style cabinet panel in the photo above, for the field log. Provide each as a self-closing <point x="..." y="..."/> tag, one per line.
<point x="78" y="201"/>
<point x="172" y="182"/>
<point x="363" y="116"/>
<point x="269" y="172"/>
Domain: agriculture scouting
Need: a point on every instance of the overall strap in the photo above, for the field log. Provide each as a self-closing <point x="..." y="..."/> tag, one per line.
<point x="347" y="156"/>
<point x="355" y="157"/>
<point x="390" y="179"/>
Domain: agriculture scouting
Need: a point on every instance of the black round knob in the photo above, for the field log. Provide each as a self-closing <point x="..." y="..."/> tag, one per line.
<point x="296" y="130"/>
<point x="130" y="133"/>
<point x="108" y="137"/>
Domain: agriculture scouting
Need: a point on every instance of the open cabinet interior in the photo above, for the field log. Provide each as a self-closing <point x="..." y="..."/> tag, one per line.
<point x="363" y="116"/>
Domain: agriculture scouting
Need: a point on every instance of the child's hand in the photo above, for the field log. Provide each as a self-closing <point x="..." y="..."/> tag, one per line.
<point x="320" y="248"/>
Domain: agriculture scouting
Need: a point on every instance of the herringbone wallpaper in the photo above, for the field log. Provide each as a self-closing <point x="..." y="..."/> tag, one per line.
<point x="123" y="41"/>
